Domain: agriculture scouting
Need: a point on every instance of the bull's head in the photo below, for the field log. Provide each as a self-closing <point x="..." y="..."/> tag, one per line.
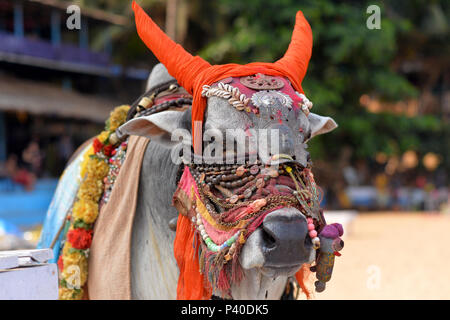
<point x="271" y="182"/>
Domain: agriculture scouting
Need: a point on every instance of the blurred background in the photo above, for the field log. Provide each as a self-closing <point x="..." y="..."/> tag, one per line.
<point x="384" y="172"/>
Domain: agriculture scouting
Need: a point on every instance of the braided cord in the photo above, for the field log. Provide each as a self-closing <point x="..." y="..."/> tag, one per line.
<point x="226" y="91"/>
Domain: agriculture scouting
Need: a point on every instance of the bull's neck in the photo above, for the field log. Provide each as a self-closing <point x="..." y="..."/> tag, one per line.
<point x="159" y="174"/>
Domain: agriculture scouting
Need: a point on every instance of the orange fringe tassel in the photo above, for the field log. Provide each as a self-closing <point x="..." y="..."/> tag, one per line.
<point x="191" y="283"/>
<point x="303" y="277"/>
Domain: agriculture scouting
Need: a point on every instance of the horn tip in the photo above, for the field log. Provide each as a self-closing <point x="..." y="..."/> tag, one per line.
<point x="134" y="5"/>
<point x="300" y="15"/>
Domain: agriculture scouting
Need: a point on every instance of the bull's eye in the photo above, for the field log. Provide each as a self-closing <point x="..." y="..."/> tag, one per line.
<point x="301" y="136"/>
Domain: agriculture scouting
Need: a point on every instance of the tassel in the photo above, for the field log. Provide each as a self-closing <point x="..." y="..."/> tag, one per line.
<point x="302" y="277"/>
<point x="201" y="259"/>
<point x="236" y="268"/>
<point x="222" y="283"/>
<point x="191" y="281"/>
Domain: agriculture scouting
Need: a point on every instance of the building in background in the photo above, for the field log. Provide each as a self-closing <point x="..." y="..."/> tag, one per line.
<point x="57" y="87"/>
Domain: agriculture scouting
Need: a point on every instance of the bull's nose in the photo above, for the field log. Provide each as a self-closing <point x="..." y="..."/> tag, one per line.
<point x="285" y="241"/>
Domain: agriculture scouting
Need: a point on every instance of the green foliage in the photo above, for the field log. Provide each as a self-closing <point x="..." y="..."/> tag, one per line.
<point x="81" y="224"/>
<point x="348" y="60"/>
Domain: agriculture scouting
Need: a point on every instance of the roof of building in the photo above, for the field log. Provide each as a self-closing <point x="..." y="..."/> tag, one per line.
<point x="89" y="12"/>
<point x="43" y="98"/>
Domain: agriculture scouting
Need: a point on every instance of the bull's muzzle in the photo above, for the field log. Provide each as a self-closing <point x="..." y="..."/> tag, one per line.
<point x="285" y="239"/>
<point x="280" y="245"/>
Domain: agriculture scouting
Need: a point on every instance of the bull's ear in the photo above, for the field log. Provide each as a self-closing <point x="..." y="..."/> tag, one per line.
<point x="320" y="124"/>
<point x="158" y="126"/>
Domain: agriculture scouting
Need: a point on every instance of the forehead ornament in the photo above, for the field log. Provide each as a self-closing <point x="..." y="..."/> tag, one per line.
<point x="261" y="81"/>
<point x="270" y="98"/>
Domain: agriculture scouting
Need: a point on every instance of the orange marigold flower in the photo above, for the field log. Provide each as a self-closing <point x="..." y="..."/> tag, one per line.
<point x="75" y="266"/>
<point x="103" y="137"/>
<point x="118" y="117"/>
<point x="73" y="261"/>
<point x="60" y="263"/>
<point x="108" y="150"/>
<point x="70" y="294"/>
<point x="80" y="238"/>
<point x="97" y="145"/>
<point x="97" y="168"/>
<point x="86" y="210"/>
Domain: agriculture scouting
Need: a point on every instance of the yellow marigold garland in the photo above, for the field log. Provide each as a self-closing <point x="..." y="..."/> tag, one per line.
<point x="73" y="262"/>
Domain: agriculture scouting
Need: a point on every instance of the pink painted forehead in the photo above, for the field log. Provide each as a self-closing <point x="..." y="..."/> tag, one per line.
<point x="242" y="85"/>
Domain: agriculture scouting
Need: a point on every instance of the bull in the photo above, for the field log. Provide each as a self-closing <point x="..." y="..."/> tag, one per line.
<point x="230" y="103"/>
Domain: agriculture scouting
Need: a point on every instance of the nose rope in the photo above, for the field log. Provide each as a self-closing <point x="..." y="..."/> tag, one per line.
<point x="306" y="194"/>
<point x="302" y="195"/>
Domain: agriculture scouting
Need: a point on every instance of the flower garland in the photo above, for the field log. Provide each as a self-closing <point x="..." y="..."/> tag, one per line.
<point x="73" y="262"/>
<point x="115" y="163"/>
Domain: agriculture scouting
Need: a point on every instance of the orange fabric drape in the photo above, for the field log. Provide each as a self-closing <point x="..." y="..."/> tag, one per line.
<point x="191" y="283"/>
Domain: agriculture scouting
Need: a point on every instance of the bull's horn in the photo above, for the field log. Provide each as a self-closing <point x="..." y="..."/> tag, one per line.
<point x="180" y="64"/>
<point x="299" y="51"/>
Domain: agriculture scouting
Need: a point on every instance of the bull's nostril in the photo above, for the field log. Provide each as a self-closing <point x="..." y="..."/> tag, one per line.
<point x="268" y="239"/>
<point x="284" y="239"/>
<point x="308" y="242"/>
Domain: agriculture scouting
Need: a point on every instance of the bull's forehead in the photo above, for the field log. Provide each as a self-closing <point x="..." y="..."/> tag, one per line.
<point x="266" y="101"/>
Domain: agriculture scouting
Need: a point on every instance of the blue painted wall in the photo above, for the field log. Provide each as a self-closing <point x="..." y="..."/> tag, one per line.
<point x="25" y="208"/>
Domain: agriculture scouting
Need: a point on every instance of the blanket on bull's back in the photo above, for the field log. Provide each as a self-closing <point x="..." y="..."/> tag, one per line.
<point x="110" y="252"/>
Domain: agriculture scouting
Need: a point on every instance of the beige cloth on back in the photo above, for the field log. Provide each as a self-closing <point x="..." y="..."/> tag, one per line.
<point x="110" y="254"/>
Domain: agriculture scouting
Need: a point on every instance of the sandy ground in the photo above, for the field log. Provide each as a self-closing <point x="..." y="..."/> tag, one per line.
<point x="393" y="256"/>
